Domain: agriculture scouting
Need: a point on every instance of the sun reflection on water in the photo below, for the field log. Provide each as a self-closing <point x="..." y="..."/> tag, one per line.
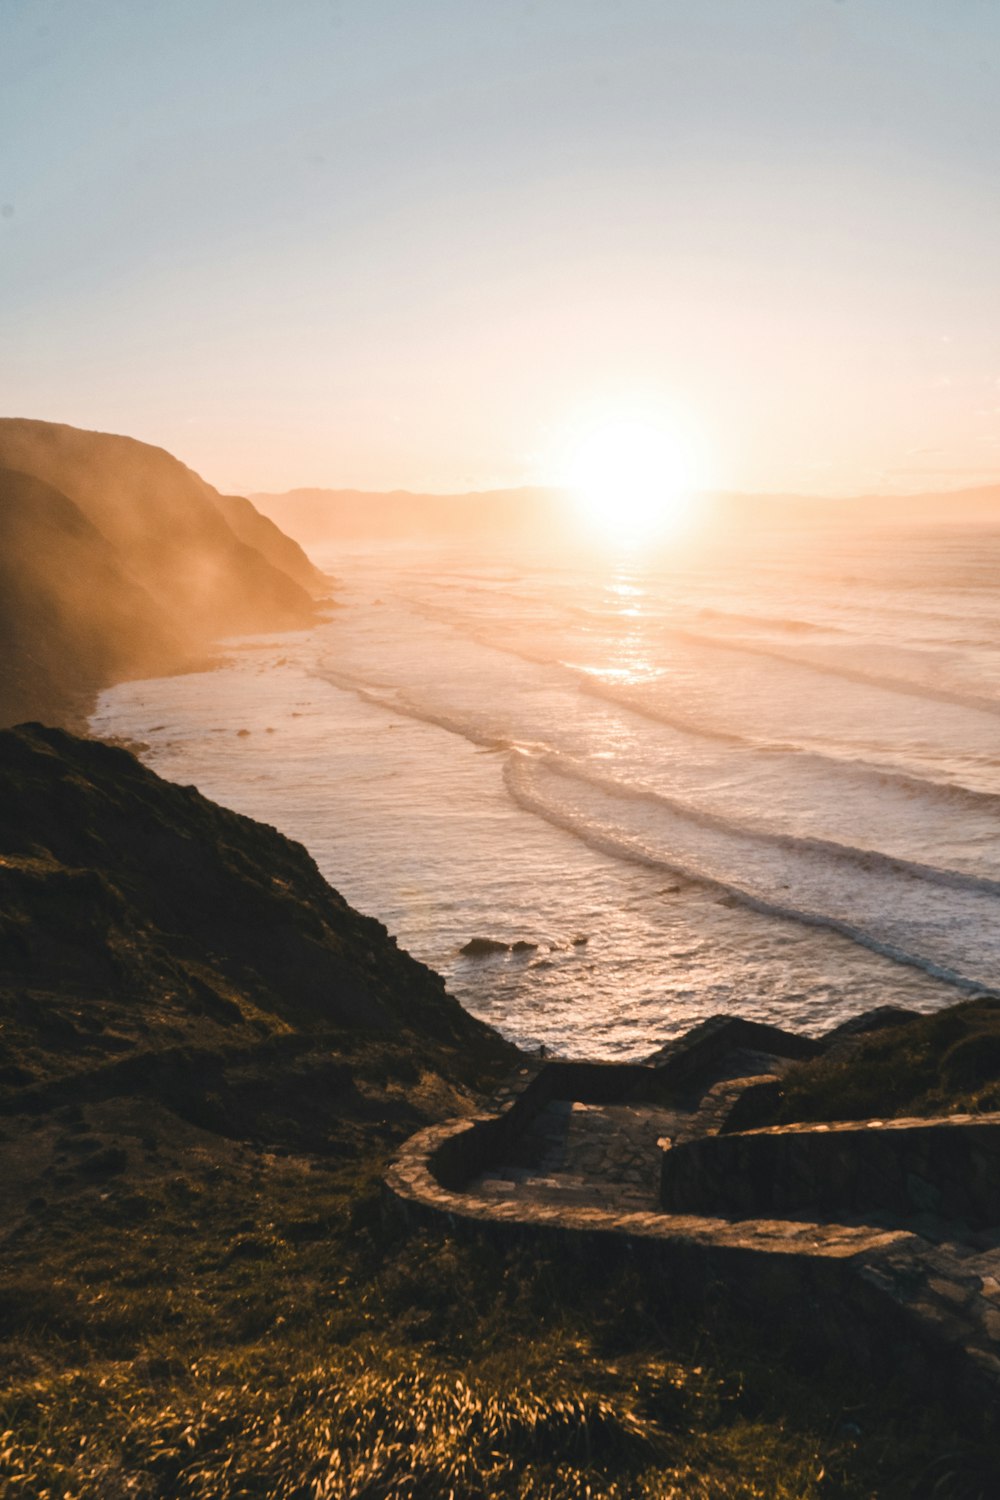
<point x="627" y="658"/>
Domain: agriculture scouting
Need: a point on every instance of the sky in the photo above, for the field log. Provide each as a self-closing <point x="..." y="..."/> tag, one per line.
<point x="420" y="243"/>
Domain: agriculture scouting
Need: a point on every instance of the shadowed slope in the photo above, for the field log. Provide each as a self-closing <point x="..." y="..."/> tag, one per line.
<point x="137" y="916"/>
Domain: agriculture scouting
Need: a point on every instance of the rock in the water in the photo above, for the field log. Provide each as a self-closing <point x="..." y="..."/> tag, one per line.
<point x="480" y="947"/>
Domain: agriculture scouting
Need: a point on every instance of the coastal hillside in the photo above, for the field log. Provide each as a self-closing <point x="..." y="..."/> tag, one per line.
<point x="122" y="560"/>
<point x="71" y="617"/>
<point x="138" y="918"/>
<point x="258" y="531"/>
<point x="207" y="1059"/>
<point x="205" y="1056"/>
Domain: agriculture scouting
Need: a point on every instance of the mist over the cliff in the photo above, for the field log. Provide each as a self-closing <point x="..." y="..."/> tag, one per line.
<point x="117" y="560"/>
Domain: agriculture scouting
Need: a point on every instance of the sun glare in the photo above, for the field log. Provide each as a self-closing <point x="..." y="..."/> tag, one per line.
<point x="632" y="478"/>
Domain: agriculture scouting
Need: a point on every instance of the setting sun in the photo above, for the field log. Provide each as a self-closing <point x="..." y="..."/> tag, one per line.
<point x="632" y="477"/>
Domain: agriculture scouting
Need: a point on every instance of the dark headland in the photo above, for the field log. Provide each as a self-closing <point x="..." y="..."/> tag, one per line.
<point x="209" y="1062"/>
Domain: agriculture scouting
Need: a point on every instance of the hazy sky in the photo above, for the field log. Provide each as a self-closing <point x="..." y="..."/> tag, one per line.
<point x="414" y="242"/>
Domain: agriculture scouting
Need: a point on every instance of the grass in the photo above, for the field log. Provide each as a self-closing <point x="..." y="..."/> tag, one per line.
<point x="258" y="1330"/>
<point x="199" y="1294"/>
<point x="948" y="1063"/>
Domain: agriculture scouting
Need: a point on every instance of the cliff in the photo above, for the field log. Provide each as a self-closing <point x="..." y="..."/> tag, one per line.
<point x="138" y="918"/>
<point x="260" y="532"/>
<point x="118" y="560"/>
<point x="71" y="617"/>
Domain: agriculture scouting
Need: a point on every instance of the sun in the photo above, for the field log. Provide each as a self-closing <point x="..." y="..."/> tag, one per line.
<point x="632" y="477"/>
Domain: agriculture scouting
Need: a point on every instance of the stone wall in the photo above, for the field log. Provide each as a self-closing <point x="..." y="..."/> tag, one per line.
<point x="884" y="1298"/>
<point x="948" y="1167"/>
<point x="754" y="1221"/>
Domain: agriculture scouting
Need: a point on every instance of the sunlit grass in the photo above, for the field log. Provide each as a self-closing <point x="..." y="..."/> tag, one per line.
<point x="550" y="1418"/>
<point x="275" y="1353"/>
<point x="225" y="1321"/>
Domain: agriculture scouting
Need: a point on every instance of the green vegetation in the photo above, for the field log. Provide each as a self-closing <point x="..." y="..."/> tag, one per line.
<point x="944" y="1064"/>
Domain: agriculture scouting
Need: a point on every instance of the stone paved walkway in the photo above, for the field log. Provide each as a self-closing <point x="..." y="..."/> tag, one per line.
<point x="915" y="1296"/>
<point x="600" y="1154"/>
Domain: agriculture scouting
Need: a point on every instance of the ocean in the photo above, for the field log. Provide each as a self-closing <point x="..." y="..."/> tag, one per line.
<point x="758" y="777"/>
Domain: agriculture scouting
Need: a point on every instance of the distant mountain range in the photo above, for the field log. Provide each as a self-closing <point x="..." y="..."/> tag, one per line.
<point x="116" y="560"/>
<point x="318" y="516"/>
<point x="315" y="516"/>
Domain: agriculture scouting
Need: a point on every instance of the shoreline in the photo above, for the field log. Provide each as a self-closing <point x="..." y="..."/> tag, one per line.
<point x="382" y="852"/>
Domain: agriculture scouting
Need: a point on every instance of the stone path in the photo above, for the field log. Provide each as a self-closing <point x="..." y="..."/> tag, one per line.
<point x="601" y="1154"/>
<point x="572" y="1153"/>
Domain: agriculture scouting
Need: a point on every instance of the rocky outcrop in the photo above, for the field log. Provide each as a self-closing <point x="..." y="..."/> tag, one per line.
<point x="484" y="947"/>
<point x="723" y="1043"/>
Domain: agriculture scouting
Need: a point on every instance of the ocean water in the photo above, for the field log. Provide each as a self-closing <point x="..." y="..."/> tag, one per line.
<point x="759" y="778"/>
